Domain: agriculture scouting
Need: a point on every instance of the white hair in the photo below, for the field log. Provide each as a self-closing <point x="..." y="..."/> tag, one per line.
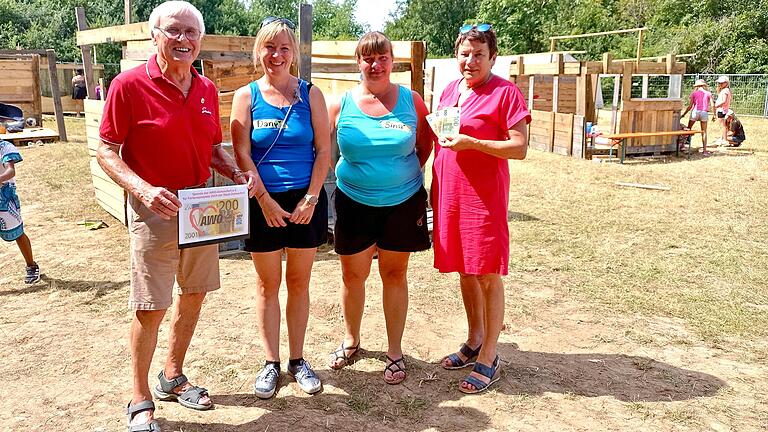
<point x="171" y="9"/>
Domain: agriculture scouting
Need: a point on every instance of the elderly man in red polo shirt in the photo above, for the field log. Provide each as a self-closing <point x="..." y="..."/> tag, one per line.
<point x="160" y="132"/>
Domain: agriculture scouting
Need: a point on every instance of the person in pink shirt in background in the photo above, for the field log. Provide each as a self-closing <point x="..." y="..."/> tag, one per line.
<point x="699" y="106"/>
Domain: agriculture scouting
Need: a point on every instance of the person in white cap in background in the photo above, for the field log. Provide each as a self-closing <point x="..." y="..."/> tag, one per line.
<point x="722" y="105"/>
<point x="699" y="106"/>
<point x="735" y="135"/>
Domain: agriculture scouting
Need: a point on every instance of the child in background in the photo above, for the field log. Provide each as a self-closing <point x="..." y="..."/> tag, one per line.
<point x="11" y="224"/>
<point x="684" y="141"/>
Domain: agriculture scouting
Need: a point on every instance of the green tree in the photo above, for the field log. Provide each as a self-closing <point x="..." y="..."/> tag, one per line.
<point x="435" y="21"/>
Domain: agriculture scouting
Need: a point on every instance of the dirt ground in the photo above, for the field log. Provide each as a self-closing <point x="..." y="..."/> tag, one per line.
<point x="572" y="362"/>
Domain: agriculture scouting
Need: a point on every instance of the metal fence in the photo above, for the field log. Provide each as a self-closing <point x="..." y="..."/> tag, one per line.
<point x="750" y="91"/>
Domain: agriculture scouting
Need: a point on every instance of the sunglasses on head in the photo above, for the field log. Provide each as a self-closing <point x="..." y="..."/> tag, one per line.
<point x="466" y="28"/>
<point x="286" y="21"/>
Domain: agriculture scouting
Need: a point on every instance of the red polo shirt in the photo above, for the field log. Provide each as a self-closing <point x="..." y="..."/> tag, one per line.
<point x="167" y="140"/>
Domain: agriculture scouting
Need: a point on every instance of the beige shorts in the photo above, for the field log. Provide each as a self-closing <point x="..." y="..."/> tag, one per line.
<point x="156" y="261"/>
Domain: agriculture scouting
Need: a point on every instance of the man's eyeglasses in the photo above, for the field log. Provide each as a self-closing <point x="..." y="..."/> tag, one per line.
<point x="482" y="28"/>
<point x="174" y="33"/>
<point x="286" y="21"/>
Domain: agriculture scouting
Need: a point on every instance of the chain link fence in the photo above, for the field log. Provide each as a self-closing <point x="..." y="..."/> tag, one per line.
<point x="750" y="91"/>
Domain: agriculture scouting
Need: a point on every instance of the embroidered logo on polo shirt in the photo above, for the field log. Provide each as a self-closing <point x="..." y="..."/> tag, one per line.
<point x="389" y="124"/>
<point x="268" y="124"/>
<point x="206" y="111"/>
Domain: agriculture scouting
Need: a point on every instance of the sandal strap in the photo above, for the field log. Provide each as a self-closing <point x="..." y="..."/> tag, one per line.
<point x="167" y="385"/>
<point x="152" y="426"/>
<point x="145" y="405"/>
<point x="487" y="371"/>
<point x="193" y="394"/>
<point x="476" y="383"/>
<point x="396" y="364"/>
<point x="469" y="352"/>
<point x="343" y="350"/>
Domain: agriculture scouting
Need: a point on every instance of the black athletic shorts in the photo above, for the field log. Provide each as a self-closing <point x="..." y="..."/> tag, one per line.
<point x="299" y="236"/>
<point x="397" y="228"/>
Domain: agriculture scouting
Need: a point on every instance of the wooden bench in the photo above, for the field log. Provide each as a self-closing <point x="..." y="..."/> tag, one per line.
<point x="620" y="139"/>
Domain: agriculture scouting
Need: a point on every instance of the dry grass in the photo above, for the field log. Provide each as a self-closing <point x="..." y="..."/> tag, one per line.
<point x="626" y="309"/>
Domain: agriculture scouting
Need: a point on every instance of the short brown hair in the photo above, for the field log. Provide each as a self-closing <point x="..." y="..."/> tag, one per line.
<point x="373" y="43"/>
<point x="487" y="37"/>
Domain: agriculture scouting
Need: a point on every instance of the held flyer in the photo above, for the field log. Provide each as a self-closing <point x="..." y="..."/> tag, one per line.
<point x="213" y="215"/>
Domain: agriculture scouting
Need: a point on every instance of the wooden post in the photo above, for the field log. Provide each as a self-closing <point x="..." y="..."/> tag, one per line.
<point x="418" y="58"/>
<point x="37" y="102"/>
<point x="555" y="91"/>
<point x="581" y="93"/>
<point x="644" y="92"/>
<point x="552" y="43"/>
<point x="670" y="60"/>
<point x="639" y="45"/>
<point x="607" y="60"/>
<point x="431" y="89"/>
<point x="127" y="11"/>
<point x="305" y="42"/>
<point x="615" y="105"/>
<point x="56" y="93"/>
<point x="86" y="54"/>
<point x="626" y="82"/>
<point x="530" y="92"/>
<point x="559" y="62"/>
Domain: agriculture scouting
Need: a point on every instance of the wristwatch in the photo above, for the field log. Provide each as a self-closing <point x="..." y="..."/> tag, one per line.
<point x="310" y="199"/>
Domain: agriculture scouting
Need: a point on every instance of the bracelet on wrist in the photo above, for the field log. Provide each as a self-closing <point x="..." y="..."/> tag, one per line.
<point x="261" y="195"/>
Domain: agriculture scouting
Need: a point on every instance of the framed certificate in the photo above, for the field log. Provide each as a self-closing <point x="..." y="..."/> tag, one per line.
<point x="213" y="215"/>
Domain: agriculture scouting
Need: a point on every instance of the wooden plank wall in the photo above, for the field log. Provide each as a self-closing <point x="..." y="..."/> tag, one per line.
<point x="541" y="130"/>
<point x="20" y="84"/>
<point x="562" y="140"/>
<point x="109" y="195"/>
<point x="543" y="92"/>
<point x="578" y="143"/>
<point x="650" y="115"/>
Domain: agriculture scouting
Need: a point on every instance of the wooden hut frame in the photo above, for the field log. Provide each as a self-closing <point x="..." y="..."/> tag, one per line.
<point x="561" y="95"/>
<point x="21" y="84"/>
<point x="227" y="61"/>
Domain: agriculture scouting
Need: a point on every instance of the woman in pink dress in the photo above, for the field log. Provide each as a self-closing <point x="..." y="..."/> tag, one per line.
<point x="470" y="193"/>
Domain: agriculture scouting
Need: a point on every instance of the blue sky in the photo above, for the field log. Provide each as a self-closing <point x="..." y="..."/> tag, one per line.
<point x="374" y="12"/>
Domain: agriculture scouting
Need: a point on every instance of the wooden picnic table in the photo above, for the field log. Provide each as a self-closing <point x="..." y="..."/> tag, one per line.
<point x="620" y="139"/>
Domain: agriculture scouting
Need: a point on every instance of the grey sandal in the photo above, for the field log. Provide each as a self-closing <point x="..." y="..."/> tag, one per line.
<point x="189" y="398"/>
<point x="142" y="406"/>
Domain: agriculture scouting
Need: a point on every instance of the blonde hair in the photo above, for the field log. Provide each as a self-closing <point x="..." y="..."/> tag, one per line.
<point x="268" y="33"/>
<point x="373" y="43"/>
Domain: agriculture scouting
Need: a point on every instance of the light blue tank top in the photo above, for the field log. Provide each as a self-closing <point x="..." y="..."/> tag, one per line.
<point x="378" y="166"/>
<point x="288" y="165"/>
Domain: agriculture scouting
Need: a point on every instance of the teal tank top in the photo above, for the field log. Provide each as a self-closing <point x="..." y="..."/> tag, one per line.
<point x="378" y="165"/>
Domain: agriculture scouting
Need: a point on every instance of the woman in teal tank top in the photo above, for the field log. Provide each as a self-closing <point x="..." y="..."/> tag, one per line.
<point x="384" y="141"/>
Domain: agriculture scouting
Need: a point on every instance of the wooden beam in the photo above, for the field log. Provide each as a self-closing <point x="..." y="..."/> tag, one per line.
<point x="530" y="92"/>
<point x="305" y="42"/>
<point x="639" y="44"/>
<point x="559" y="62"/>
<point x="418" y="59"/>
<point x="551" y="38"/>
<point x="121" y="33"/>
<point x="85" y="50"/>
<point x="25" y="51"/>
<point x="128" y="11"/>
<point x="37" y="103"/>
<point x="56" y="93"/>
<point x="607" y="62"/>
<point x="555" y="90"/>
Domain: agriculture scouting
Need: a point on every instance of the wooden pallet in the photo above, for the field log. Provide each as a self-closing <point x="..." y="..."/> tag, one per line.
<point x="31" y="136"/>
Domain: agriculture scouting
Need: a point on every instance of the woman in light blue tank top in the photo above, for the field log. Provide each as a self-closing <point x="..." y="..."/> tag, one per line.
<point x="384" y="141"/>
<point x="280" y="135"/>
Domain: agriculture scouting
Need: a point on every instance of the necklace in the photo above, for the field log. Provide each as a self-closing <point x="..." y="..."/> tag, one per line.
<point x="284" y="91"/>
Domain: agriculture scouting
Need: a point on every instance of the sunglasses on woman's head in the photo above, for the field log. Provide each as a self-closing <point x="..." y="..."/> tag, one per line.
<point x="466" y="28"/>
<point x="286" y="21"/>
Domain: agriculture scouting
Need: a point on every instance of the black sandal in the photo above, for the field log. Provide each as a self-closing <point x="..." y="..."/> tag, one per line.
<point x="393" y="367"/>
<point x="341" y="354"/>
